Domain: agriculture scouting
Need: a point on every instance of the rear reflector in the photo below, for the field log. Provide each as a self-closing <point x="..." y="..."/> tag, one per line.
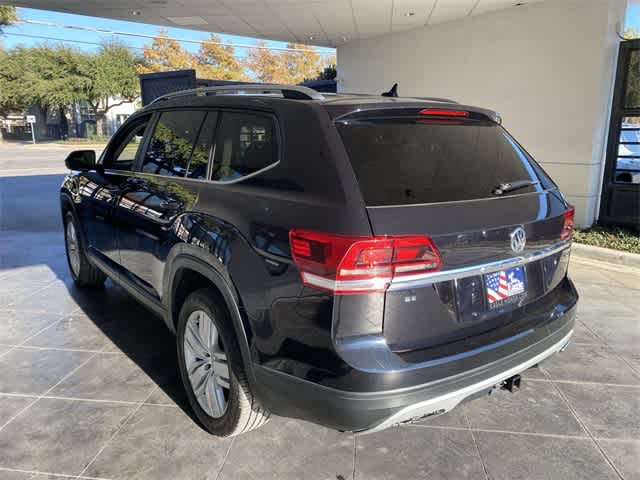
<point x="345" y="265"/>
<point x="567" y="223"/>
<point x="443" y="112"/>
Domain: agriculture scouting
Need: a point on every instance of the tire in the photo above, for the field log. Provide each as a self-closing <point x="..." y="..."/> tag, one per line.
<point x="84" y="274"/>
<point x="218" y="390"/>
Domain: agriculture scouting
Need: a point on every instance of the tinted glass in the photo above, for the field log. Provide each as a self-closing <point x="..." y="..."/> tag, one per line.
<point x="245" y="144"/>
<point x="632" y="87"/>
<point x="125" y="152"/>
<point x="628" y="162"/>
<point x="400" y="161"/>
<point x="199" y="160"/>
<point x="173" y="143"/>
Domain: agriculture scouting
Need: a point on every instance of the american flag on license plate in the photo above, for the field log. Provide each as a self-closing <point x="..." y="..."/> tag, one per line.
<point x="504" y="284"/>
<point x="497" y="288"/>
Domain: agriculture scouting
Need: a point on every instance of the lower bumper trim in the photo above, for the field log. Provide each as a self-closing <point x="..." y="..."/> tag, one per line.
<point x="448" y="401"/>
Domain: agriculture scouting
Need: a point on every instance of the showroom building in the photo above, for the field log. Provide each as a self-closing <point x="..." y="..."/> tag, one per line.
<point x="549" y="67"/>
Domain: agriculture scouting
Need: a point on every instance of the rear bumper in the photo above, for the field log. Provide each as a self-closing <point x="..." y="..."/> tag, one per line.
<point x="367" y="412"/>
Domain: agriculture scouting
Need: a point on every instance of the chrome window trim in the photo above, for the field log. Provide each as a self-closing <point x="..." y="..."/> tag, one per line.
<point x="414" y="281"/>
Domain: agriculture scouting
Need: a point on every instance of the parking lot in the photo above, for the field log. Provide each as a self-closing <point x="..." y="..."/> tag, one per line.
<point x="89" y="384"/>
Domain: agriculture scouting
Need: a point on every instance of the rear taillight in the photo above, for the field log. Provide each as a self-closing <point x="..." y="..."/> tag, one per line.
<point x="346" y="265"/>
<point x="567" y="223"/>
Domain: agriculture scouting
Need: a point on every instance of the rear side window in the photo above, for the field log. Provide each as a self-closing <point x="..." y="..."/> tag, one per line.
<point x="405" y="161"/>
<point x="180" y="144"/>
<point x="245" y="144"/>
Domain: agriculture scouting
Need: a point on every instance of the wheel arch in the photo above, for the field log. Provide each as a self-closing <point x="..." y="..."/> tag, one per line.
<point x="188" y="263"/>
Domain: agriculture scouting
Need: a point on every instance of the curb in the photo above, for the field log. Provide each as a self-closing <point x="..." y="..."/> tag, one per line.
<point x="589" y="252"/>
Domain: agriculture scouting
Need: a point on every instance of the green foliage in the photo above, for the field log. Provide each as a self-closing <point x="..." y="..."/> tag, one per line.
<point x="7" y="15"/>
<point x="609" y="237"/>
<point x="53" y="77"/>
<point x="330" y="72"/>
<point x="109" y="73"/>
<point x="630" y="33"/>
<point x="43" y="76"/>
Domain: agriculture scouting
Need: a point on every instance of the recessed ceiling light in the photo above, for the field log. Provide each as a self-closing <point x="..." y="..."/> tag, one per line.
<point x="186" y="21"/>
<point x="519" y="4"/>
<point x="409" y="14"/>
<point x="310" y="37"/>
<point x="135" y="13"/>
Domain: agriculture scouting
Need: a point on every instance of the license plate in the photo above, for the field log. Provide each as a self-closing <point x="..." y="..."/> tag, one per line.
<point x="505" y="287"/>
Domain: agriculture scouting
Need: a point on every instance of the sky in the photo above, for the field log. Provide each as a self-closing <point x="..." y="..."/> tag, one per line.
<point x="633" y="16"/>
<point x="13" y="35"/>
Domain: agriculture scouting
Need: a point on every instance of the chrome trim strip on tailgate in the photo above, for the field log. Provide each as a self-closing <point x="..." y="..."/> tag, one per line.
<point x="414" y="281"/>
<point x="447" y="401"/>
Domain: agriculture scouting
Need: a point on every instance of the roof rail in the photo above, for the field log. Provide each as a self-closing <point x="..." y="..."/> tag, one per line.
<point x="295" y="92"/>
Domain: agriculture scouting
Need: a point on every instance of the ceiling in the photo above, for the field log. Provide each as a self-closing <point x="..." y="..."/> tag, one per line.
<point x="317" y="22"/>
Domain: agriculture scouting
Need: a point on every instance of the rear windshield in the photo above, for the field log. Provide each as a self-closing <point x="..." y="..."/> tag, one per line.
<point x="406" y="161"/>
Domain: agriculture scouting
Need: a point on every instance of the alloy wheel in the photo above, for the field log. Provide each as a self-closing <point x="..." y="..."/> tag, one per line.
<point x="73" y="248"/>
<point x="206" y="364"/>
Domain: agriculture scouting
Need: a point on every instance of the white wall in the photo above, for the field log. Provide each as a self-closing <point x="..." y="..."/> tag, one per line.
<point x="547" y="67"/>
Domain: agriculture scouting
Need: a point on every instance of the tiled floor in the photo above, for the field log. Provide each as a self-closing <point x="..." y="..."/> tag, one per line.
<point x="89" y="389"/>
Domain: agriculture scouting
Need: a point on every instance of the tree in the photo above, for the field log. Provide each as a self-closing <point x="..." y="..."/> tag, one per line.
<point x="630" y="33"/>
<point x="7" y="15"/>
<point x="42" y="79"/>
<point x="215" y="61"/>
<point x="292" y="66"/>
<point x="329" y="72"/>
<point x="110" y="79"/>
<point x="163" y="55"/>
<point x="267" y="65"/>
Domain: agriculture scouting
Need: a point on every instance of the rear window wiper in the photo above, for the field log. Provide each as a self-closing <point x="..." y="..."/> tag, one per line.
<point x="511" y="186"/>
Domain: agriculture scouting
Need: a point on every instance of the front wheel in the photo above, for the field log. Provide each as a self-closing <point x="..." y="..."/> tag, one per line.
<point x="211" y="368"/>
<point x="84" y="274"/>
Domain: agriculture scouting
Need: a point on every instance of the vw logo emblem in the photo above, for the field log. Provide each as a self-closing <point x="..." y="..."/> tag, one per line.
<point x="518" y="240"/>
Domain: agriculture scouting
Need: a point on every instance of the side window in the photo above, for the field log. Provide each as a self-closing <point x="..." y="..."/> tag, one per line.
<point x="124" y="152"/>
<point x="245" y="143"/>
<point x="180" y="144"/>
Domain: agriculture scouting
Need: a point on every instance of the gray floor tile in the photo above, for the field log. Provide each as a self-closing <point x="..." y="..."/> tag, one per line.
<point x="10" y="406"/>
<point x="531" y="457"/>
<point x="631" y="356"/>
<point x="290" y="449"/>
<point x="591" y="363"/>
<point x="9" y="295"/>
<point x="162" y="443"/>
<point x="59" y="436"/>
<point x="625" y="455"/>
<point x="9" y="475"/>
<point x="616" y="325"/>
<point x="581" y="334"/>
<point x="535" y="408"/>
<point x="607" y="411"/>
<point x="535" y="373"/>
<point x="414" y="452"/>
<point x="60" y="298"/>
<point x="30" y="371"/>
<point x="17" y="325"/>
<point x="76" y="331"/>
<point x="108" y="376"/>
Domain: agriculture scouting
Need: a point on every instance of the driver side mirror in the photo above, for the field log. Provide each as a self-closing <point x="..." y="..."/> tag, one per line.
<point x="82" y="160"/>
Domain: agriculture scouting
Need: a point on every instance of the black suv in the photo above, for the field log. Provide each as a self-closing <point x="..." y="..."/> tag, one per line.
<point x="352" y="260"/>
